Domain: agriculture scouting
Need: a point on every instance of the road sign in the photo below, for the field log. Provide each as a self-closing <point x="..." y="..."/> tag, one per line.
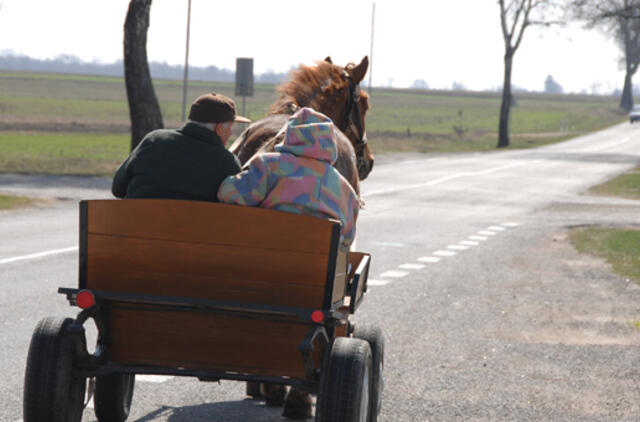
<point x="244" y="77"/>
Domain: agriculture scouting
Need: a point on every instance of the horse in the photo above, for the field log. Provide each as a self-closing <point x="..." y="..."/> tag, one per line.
<point x="332" y="90"/>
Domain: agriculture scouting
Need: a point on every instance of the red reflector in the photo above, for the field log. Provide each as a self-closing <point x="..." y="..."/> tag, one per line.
<point x="317" y="316"/>
<point x="85" y="299"/>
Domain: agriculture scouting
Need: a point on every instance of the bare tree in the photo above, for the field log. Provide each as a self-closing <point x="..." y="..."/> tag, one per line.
<point x="515" y="17"/>
<point x="621" y="20"/>
<point x="144" y="110"/>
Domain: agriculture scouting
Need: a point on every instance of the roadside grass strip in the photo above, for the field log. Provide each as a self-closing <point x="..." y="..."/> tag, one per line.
<point x="626" y="185"/>
<point x="11" y="202"/>
<point x="618" y="246"/>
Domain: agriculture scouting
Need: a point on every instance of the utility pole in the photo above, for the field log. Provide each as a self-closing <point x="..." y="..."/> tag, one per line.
<point x="186" y="65"/>
<point x="373" y="18"/>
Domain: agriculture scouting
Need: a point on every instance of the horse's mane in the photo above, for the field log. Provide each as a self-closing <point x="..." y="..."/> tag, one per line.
<point x="311" y="86"/>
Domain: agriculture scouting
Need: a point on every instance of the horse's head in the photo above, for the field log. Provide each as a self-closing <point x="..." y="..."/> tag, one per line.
<point x="353" y="120"/>
<point x="334" y="91"/>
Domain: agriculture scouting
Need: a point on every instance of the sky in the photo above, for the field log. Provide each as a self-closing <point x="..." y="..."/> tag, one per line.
<point x="438" y="41"/>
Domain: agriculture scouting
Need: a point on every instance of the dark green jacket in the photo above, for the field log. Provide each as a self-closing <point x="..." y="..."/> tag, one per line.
<point x="188" y="163"/>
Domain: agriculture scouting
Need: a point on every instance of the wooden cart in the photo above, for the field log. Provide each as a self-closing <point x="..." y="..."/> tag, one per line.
<point x="212" y="291"/>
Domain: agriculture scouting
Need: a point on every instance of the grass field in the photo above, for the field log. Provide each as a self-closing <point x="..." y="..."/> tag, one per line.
<point x="62" y="153"/>
<point x="68" y="124"/>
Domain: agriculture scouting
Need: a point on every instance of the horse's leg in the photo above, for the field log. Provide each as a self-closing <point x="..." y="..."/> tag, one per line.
<point x="273" y="394"/>
<point x="297" y="405"/>
<point x="253" y="389"/>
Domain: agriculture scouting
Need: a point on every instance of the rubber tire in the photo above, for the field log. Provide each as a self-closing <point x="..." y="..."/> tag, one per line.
<point x="113" y="396"/>
<point x="373" y="336"/>
<point x="52" y="393"/>
<point x="342" y="382"/>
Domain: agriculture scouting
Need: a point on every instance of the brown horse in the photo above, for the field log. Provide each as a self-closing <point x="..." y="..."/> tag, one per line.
<point x="332" y="90"/>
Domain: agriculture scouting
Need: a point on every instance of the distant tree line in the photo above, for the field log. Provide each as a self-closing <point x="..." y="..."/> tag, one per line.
<point x="71" y="64"/>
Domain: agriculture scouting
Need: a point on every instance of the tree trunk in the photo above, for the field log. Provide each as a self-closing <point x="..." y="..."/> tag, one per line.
<point x="626" y="102"/>
<point x="505" y="108"/>
<point x="144" y="110"/>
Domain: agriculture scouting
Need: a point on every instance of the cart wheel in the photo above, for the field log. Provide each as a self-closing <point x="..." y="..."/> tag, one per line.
<point x="112" y="399"/>
<point x="345" y="382"/>
<point x="373" y="336"/>
<point x="52" y="392"/>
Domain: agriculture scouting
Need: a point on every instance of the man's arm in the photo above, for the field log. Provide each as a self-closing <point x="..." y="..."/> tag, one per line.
<point x="122" y="178"/>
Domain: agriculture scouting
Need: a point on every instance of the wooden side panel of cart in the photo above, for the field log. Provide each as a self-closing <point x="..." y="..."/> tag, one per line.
<point x="209" y="251"/>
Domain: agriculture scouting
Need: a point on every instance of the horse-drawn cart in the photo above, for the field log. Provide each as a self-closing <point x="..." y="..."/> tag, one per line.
<point x="212" y="291"/>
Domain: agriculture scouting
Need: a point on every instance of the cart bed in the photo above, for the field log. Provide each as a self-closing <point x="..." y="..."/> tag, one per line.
<point x="214" y="287"/>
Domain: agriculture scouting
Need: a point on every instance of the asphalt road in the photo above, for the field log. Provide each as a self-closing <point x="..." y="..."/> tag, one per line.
<point x="489" y="313"/>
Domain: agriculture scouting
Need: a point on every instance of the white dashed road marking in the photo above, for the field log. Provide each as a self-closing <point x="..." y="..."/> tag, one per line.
<point x="444" y="253"/>
<point x="458" y="247"/>
<point x="478" y="237"/>
<point x="412" y="266"/>
<point x="431" y="259"/>
<point x="372" y="282"/>
<point x="438" y="255"/>
<point x="394" y="244"/>
<point x="394" y="274"/>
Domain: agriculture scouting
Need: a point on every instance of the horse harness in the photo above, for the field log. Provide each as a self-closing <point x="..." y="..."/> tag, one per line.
<point x="353" y="107"/>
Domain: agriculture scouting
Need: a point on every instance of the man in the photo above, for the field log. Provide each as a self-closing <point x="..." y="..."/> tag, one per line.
<point x="187" y="163"/>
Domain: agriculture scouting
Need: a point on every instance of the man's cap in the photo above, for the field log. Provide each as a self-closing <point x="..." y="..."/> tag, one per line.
<point x="214" y="108"/>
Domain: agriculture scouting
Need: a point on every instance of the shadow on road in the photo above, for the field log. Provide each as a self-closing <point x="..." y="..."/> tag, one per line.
<point x="231" y="411"/>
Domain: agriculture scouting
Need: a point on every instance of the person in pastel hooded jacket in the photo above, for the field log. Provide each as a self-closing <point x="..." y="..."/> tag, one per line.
<point x="299" y="177"/>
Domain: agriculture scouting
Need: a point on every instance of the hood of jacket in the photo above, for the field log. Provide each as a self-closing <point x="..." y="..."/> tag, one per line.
<point x="310" y="134"/>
